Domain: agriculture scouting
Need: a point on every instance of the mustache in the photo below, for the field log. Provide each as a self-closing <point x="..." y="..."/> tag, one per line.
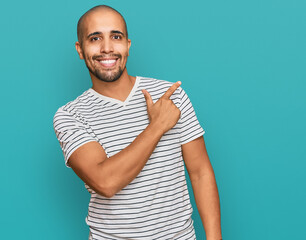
<point x="106" y="56"/>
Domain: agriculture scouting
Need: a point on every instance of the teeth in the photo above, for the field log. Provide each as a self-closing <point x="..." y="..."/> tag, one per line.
<point x="110" y="61"/>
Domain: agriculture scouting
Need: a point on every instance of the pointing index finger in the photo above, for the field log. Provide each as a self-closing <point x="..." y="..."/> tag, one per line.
<point x="171" y="89"/>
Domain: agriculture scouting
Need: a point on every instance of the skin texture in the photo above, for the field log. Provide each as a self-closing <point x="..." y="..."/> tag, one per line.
<point x="104" y="38"/>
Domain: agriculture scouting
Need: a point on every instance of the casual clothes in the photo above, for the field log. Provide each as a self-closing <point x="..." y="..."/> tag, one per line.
<point x="155" y="205"/>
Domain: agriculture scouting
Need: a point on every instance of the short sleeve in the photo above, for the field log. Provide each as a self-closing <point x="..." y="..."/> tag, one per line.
<point x="190" y="127"/>
<point x="71" y="132"/>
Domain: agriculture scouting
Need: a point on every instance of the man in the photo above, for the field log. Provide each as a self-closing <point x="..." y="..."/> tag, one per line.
<point x="126" y="138"/>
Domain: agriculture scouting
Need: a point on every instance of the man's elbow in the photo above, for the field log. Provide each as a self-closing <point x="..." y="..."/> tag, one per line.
<point x="201" y="174"/>
<point x="107" y="189"/>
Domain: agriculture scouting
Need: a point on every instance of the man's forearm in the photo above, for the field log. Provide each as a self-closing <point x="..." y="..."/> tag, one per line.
<point x="120" y="169"/>
<point x="207" y="200"/>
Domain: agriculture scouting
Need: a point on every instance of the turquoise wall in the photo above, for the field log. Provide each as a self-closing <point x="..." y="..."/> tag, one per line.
<point x="241" y="62"/>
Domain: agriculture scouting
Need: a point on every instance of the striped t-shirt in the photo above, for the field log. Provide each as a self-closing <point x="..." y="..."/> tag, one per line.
<point x="155" y="205"/>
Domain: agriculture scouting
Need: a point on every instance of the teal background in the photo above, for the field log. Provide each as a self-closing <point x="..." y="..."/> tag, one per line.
<point x="242" y="64"/>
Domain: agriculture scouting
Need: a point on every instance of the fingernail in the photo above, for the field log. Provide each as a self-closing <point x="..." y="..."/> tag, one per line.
<point x="179" y="82"/>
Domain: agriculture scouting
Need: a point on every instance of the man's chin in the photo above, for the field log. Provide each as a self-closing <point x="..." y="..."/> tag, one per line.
<point x="109" y="78"/>
<point x="106" y="76"/>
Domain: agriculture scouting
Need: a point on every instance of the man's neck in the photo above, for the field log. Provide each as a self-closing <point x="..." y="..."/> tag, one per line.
<point x="119" y="89"/>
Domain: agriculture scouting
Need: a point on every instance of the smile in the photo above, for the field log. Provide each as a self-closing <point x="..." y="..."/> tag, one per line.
<point x="107" y="63"/>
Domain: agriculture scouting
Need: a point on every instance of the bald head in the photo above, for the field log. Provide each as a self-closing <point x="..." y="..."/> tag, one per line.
<point x="80" y="27"/>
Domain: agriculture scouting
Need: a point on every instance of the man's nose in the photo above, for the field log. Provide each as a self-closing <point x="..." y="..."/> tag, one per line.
<point x="106" y="46"/>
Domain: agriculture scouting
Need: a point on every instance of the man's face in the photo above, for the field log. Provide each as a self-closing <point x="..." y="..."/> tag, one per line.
<point x="104" y="45"/>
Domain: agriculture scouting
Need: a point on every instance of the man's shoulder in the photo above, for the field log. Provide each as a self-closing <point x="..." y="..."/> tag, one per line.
<point x="79" y="104"/>
<point x="158" y="87"/>
<point x="153" y="81"/>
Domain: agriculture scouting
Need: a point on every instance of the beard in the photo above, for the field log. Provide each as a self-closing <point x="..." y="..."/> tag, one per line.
<point x="107" y="75"/>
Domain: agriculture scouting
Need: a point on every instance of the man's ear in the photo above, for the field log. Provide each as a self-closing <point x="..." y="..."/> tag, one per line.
<point x="129" y="45"/>
<point x="79" y="50"/>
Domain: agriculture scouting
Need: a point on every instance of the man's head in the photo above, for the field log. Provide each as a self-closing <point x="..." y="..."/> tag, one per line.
<point x="103" y="43"/>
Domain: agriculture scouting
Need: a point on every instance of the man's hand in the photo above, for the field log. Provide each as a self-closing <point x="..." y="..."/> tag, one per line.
<point x="163" y="114"/>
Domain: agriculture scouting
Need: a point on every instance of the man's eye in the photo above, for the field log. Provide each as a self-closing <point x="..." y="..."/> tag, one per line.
<point x="95" y="39"/>
<point x="117" y="37"/>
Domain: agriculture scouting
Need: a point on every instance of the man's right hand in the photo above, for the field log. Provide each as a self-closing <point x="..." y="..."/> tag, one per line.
<point x="163" y="114"/>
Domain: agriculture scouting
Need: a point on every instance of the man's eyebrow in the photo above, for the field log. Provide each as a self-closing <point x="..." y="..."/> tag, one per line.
<point x="113" y="32"/>
<point x="94" y="33"/>
<point x="118" y="32"/>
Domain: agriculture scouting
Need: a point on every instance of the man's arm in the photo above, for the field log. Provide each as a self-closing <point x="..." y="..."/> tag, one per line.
<point x="204" y="186"/>
<point x="107" y="176"/>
